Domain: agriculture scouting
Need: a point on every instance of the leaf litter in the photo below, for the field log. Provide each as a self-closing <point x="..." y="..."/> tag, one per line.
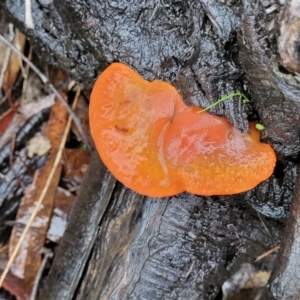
<point x="48" y="193"/>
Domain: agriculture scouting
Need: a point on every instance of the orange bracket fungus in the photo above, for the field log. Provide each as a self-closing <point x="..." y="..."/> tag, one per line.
<point x="157" y="146"/>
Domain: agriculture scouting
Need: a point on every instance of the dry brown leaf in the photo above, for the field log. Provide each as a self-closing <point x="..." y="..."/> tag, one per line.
<point x="75" y="162"/>
<point x="14" y="63"/>
<point x="7" y="118"/>
<point x="28" y="259"/>
<point x="14" y="285"/>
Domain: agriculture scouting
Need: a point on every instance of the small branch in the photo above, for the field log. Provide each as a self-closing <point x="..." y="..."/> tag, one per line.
<point x="46" y="81"/>
<point x="47" y="254"/>
<point x="266" y="253"/>
<point x="25" y="76"/>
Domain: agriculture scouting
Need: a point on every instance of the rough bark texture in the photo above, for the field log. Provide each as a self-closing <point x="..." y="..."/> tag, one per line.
<point x="284" y="284"/>
<point x="182" y="247"/>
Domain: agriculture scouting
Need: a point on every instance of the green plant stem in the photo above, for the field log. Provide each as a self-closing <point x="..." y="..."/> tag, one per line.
<point x="246" y="100"/>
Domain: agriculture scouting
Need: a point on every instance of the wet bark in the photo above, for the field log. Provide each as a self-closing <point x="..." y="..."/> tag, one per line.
<point x="285" y="282"/>
<point x="121" y="245"/>
<point x="182" y="247"/>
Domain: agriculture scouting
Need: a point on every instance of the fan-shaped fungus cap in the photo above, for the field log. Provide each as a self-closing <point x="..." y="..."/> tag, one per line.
<point x="157" y="146"/>
<point x="127" y="116"/>
<point x="206" y="155"/>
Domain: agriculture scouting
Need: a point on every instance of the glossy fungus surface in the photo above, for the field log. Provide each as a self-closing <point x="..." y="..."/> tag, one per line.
<point x="157" y="146"/>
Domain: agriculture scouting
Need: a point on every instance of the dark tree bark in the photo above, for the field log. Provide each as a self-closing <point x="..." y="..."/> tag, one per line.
<point x="284" y="284"/>
<point x="121" y="245"/>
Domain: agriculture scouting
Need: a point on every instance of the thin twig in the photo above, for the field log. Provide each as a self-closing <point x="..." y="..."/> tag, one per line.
<point x="47" y="254"/>
<point x="74" y="188"/>
<point x="4" y="248"/>
<point x="42" y="195"/>
<point x="5" y="65"/>
<point x="263" y="255"/>
<point x="25" y="76"/>
<point x="46" y="81"/>
<point x="18" y="37"/>
<point x="266" y="228"/>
